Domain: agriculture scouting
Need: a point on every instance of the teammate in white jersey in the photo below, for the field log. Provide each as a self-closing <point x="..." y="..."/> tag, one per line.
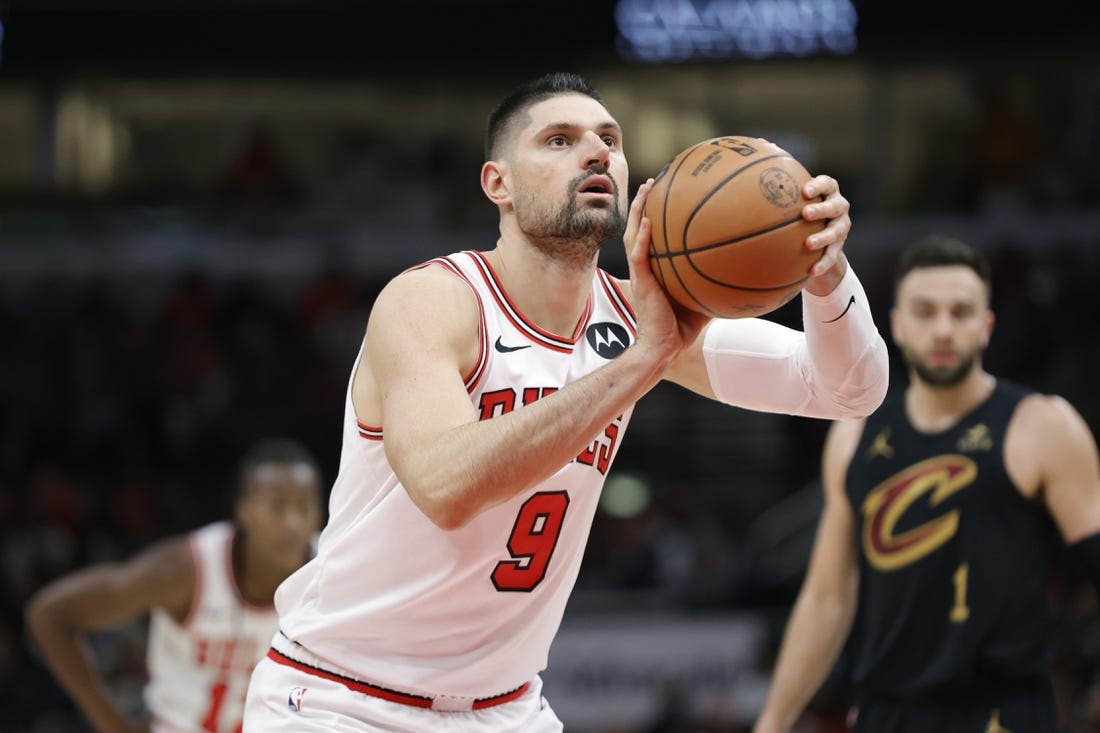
<point x="208" y="595"/>
<point x="483" y="412"/>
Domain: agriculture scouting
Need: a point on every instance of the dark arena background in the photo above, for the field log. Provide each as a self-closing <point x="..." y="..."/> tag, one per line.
<point x="199" y="200"/>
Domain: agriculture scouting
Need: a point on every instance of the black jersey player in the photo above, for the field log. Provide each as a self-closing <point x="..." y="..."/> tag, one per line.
<point x="943" y="513"/>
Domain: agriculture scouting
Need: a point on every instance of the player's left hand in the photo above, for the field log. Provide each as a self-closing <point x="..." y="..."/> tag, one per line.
<point x="660" y="320"/>
<point x="829" y="205"/>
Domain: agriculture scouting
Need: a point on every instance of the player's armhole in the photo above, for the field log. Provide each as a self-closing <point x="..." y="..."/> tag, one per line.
<point x="473" y="375"/>
<point x="370" y="426"/>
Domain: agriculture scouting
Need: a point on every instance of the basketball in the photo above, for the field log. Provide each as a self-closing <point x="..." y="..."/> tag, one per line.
<point x="728" y="237"/>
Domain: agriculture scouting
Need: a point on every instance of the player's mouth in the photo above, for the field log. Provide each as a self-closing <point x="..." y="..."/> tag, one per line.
<point x="597" y="187"/>
<point x="943" y="359"/>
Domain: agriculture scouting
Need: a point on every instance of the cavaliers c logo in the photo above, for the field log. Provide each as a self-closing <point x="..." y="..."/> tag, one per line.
<point x="940" y="477"/>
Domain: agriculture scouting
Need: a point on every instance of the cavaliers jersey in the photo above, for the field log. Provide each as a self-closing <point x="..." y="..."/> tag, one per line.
<point x="199" y="670"/>
<point x="392" y="599"/>
<point x="954" y="561"/>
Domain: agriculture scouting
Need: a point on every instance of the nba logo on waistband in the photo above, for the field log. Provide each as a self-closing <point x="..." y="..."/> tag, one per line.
<point x="295" y="699"/>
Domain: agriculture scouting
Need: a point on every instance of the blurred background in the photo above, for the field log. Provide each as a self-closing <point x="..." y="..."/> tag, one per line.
<point x="199" y="200"/>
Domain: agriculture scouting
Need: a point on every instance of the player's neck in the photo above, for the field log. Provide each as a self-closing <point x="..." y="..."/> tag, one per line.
<point x="932" y="408"/>
<point x="256" y="579"/>
<point x="550" y="293"/>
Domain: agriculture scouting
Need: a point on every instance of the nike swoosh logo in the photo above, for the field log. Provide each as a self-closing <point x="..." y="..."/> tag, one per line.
<point x="851" y="302"/>
<point x="505" y="349"/>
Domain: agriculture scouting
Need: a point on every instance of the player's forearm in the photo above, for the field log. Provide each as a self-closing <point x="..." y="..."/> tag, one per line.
<point x="811" y="644"/>
<point x="845" y="348"/>
<point x="481" y="464"/>
<point x="837" y="368"/>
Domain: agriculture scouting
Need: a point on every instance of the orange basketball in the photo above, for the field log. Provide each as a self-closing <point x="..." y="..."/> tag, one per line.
<point x="728" y="237"/>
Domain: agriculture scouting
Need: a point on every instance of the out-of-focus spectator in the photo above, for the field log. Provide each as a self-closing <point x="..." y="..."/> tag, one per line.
<point x="260" y="177"/>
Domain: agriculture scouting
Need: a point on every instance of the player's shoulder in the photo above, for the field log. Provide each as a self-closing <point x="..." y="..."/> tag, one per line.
<point x="421" y="309"/>
<point x="428" y="284"/>
<point x="163" y="572"/>
<point x="1047" y="430"/>
<point x="170" y="563"/>
<point x="845" y="431"/>
<point x="1046" y="416"/>
<point x="1047" y="437"/>
<point x="172" y="556"/>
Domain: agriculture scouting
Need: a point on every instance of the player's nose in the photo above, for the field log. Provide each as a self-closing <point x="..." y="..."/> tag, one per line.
<point x="943" y="325"/>
<point x="595" y="149"/>
<point x="296" y="522"/>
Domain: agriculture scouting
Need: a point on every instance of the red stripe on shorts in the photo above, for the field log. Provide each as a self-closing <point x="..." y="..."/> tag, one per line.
<point x="404" y="698"/>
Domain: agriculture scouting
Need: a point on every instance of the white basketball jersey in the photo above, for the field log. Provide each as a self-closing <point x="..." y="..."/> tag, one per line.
<point x="199" y="670"/>
<point x="394" y="600"/>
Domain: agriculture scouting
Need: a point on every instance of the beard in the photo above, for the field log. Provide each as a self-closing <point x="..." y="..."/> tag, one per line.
<point x="941" y="376"/>
<point x="573" y="233"/>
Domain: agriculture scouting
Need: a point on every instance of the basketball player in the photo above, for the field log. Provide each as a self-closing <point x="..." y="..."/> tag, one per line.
<point x="209" y="599"/>
<point x="483" y="413"/>
<point x="943" y="511"/>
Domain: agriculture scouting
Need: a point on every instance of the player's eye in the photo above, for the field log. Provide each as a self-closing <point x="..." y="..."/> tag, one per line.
<point x="963" y="313"/>
<point x="610" y="141"/>
<point x="557" y="141"/>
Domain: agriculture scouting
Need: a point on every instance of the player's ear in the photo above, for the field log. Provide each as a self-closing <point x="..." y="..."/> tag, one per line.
<point x="990" y="320"/>
<point x="495" y="182"/>
<point x="242" y="513"/>
<point x="239" y="514"/>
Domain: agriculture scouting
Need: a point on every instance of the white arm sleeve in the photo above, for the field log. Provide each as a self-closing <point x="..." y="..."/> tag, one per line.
<point x="837" y="368"/>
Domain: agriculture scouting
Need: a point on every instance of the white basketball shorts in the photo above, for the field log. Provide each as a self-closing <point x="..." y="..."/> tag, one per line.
<point x="286" y="699"/>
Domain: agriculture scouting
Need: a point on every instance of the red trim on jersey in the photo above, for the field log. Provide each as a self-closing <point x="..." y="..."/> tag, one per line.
<point x="404" y="698"/>
<point x="619" y="301"/>
<point x="539" y="335"/>
<point x="368" y="432"/>
<point x="478" y="370"/>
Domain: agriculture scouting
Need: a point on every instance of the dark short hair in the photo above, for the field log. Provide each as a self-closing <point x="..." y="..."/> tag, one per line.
<point x="939" y="251"/>
<point x="273" y="450"/>
<point x="525" y="96"/>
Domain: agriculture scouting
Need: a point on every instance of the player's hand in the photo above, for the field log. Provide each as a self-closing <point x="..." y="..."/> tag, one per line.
<point x="659" y="318"/>
<point x="832" y="208"/>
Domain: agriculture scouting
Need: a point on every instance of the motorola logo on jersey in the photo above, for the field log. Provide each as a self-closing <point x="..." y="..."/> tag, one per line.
<point x="607" y="339"/>
<point x="885" y="508"/>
